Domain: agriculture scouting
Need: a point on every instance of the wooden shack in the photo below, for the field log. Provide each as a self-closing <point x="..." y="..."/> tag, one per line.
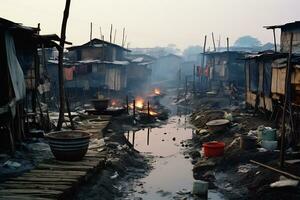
<point x="20" y="72"/>
<point x="259" y="77"/>
<point x="98" y="64"/>
<point x="225" y="67"/>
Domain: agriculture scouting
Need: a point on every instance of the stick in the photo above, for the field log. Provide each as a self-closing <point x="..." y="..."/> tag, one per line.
<point x="227" y="43"/>
<point x="127" y="105"/>
<point x="110" y="35"/>
<point x="123" y="37"/>
<point x="91" y="33"/>
<point x="276" y="170"/>
<point x="194" y="79"/>
<point x="287" y="101"/>
<point x="213" y="39"/>
<point x="148" y="109"/>
<point x="115" y="35"/>
<point x="60" y="65"/>
<point x="133" y="108"/>
<point x="148" y="136"/>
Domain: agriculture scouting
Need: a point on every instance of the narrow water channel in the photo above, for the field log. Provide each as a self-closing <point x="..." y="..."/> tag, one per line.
<point x="171" y="175"/>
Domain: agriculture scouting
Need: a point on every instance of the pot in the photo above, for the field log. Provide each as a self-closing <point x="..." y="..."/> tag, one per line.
<point x="68" y="145"/>
<point x="218" y="125"/>
<point x="213" y="149"/>
<point x="248" y="142"/>
<point x="100" y="104"/>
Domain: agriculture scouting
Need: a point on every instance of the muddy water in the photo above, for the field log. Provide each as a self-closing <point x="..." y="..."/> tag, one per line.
<point x="171" y="172"/>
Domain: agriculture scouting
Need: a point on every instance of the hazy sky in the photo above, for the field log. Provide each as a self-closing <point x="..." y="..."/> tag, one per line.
<point x="156" y="22"/>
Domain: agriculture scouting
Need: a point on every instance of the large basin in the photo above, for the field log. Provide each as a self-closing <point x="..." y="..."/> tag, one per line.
<point x="69" y="145"/>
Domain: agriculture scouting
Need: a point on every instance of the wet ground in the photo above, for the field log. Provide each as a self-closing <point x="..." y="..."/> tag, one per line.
<point x="171" y="176"/>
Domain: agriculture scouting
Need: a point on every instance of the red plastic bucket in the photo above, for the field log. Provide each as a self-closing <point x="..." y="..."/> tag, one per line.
<point x="213" y="149"/>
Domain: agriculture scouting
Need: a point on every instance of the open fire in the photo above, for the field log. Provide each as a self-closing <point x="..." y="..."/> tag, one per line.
<point x="157" y="91"/>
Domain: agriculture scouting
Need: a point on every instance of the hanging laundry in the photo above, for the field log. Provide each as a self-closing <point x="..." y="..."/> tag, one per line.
<point x="199" y="71"/>
<point x="69" y="73"/>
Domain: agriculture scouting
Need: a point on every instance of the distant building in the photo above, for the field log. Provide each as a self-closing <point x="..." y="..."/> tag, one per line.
<point x="166" y="67"/>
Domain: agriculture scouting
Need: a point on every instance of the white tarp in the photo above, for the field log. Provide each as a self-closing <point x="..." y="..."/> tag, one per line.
<point x="113" y="78"/>
<point x="15" y="70"/>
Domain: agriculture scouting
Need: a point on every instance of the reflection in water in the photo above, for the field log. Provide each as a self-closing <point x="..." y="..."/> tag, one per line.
<point x="171" y="171"/>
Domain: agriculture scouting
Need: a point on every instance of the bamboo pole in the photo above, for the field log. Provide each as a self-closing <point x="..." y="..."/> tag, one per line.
<point x="60" y="65"/>
<point x="123" y="37"/>
<point x="91" y="33"/>
<point x="227" y="39"/>
<point x="127" y="105"/>
<point x="101" y="36"/>
<point x="194" y="79"/>
<point x="115" y="36"/>
<point x="148" y="136"/>
<point x="133" y="108"/>
<point x="276" y="170"/>
<point x="148" y="108"/>
<point x="110" y="35"/>
<point x="287" y="101"/>
<point x="213" y="39"/>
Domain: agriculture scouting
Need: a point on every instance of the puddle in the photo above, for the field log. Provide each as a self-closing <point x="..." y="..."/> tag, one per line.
<point x="171" y="172"/>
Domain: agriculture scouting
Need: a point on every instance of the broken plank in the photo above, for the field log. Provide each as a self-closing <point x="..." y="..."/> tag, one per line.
<point x="81" y="173"/>
<point x="41" y="182"/>
<point x="48" y="175"/>
<point x="38" y="179"/>
<point x="64" y="167"/>
<point x="40" y="192"/>
<point x="22" y="197"/>
<point x="296" y="161"/>
<point x="35" y="186"/>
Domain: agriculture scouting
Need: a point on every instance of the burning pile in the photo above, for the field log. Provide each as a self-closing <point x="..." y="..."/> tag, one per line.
<point x="143" y="108"/>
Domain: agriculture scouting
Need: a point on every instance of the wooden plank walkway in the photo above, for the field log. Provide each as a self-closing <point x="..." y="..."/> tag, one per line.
<point x="54" y="179"/>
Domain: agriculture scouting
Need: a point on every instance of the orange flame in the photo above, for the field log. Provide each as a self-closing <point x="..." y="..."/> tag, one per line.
<point x="139" y="102"/>
<point x="157" y="91"/>
<point x="153" y="113"/>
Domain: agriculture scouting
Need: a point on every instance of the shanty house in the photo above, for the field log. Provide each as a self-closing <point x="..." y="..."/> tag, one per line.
<point x="225" y="67"/>
<point x="97" y="64"/>
<point x="20" y="77"/>
<point x="259" y="79"/>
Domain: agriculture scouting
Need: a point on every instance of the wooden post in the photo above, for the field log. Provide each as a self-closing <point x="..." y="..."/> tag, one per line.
<point x="213" y="39"/>
<point x="69" y="113"/>
<point x="127" y="105"/>
<point x="100" y="33"/>
<point x="133" y="138"/>
<point x="91" y="33"/>
<point x="287" y="101"/>
<point x="275" y="44"/>
<point x="148" y="108"/>
<point x="133" y="108"/>
<point x="186" y="86"/>
<point x="203" y="63"/>
<point x="115" y="36"/>
<point x="123" y="37"/>
<point x="148" y="136"/>
<point x="61" y="67"/>
<point x="110" y="35"/>
<point x="194" y="79"/>
<point x="227" y="43"/>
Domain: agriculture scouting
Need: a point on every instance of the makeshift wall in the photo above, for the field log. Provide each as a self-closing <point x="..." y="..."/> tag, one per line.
<point x="115" y="78"/>
<point x="285" y="41"/>
<point x="253" y="75"/>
